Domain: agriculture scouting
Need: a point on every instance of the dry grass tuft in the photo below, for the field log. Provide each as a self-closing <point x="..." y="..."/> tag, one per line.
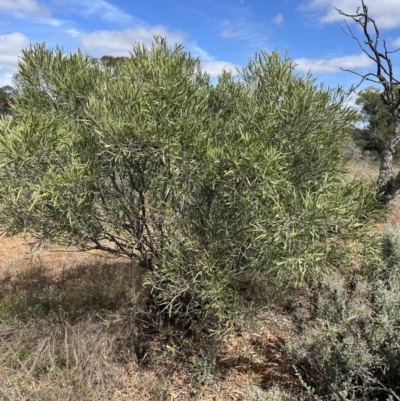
<point x="75" y="326"/>
<point x="47" y="362"/>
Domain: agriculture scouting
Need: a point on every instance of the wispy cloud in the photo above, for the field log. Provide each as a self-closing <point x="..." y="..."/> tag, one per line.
<point x="242" y="29"/>
<point x="52" y="22"/>
<point x="24" y="7"/>
<point x="104" y="10"/>
<point x="278" y="19"/>
<point x="229" y="31"/>
<point x="333" y="65"/>
<point x="385" y="13"/>
<point x="242" y="25"/>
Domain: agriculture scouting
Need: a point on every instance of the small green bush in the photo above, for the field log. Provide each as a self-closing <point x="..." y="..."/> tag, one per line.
<point x="353" y="350"/>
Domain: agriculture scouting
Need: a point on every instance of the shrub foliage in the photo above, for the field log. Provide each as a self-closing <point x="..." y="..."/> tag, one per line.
<point x="353" y="350"/>
<point x="211" y="186"/>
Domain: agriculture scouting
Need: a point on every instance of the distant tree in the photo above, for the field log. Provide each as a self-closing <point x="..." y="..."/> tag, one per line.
<point x="6" y="96"/>
<point x="209" y="187"/>
<point x="378" y="119"/>
<point x="384" y="75"/>
<point x="111" y="61"/>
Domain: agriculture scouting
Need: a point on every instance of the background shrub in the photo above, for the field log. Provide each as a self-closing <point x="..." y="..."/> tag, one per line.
<point x="352" y="351"/>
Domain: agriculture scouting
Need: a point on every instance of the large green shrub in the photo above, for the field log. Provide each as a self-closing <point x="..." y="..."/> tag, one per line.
<point x="353" y="349"/>
<point x="213" y="188"/>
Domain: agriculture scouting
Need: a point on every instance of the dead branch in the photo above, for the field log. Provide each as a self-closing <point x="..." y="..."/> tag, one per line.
<point x="384" y="67"/>
<point x="384" y="76"/>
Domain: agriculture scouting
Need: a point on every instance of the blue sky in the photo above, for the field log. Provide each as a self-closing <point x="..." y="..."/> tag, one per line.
<point x="223" y="33"/>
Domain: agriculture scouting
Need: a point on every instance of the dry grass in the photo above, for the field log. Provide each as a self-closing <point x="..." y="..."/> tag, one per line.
<point x="74" y="326"/>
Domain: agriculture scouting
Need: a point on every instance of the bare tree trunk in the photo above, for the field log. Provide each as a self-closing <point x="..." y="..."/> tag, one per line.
<point x="389" y="185"/>
<point x="384" y="75"/>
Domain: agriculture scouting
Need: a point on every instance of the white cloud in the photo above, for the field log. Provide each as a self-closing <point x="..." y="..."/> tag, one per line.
<point x="74" y="33"/>
<point x="10" y="47"/>
<point x="333" y="65"/>
<point x="209" y="63"/>
<point x="386" y="14"/>
<point x="119" y="43"/>
<point x="215" y="68"/>
<point x="30" y="7"/>
<point x="197" y="51"/>
<point x="397" y="42"/>
<point x="278" y="19"/>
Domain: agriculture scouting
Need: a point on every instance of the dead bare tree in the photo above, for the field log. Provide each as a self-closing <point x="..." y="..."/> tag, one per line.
<point x="389" y="185"/>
